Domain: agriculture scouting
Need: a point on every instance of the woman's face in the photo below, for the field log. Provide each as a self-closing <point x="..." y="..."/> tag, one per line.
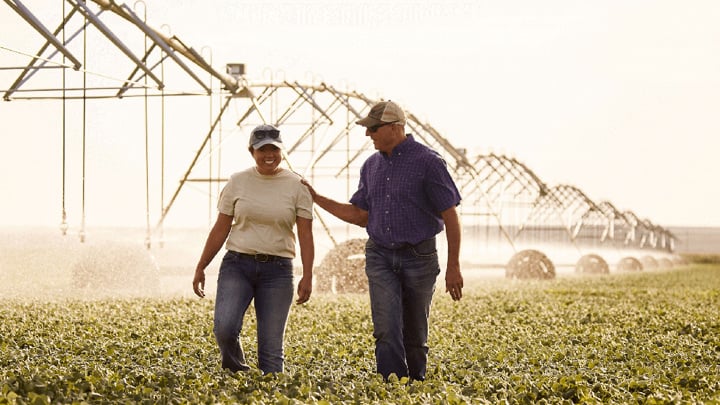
<point x="267" y="159"/>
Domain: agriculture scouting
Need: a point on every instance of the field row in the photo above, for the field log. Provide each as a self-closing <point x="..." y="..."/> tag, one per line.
<point x="642" y="337"/>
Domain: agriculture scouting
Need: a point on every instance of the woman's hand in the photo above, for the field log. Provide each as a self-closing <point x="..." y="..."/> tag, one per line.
<point x="199" y="282"/>
<point x="304" y="290"/>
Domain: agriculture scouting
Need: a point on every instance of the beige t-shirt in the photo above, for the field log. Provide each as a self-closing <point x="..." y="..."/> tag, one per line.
<point x="264" y="209"/>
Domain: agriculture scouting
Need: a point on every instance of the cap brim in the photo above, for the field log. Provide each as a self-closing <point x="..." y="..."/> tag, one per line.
<point x="368" y="121"/>
<point x="267" y="141"/>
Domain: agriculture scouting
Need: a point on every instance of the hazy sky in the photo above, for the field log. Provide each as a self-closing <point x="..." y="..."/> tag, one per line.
<point x="620" y="98"/>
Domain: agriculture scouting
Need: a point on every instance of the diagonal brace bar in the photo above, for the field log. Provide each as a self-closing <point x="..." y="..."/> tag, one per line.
<point x="115" y="40"/>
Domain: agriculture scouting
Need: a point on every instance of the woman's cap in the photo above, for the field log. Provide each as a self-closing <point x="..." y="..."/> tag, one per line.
<point x="263" y="135"/>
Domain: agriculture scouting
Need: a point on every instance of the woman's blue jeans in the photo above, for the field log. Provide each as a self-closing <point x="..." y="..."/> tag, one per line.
<point x="241" y="280"/>
<point x="402" y="283"/>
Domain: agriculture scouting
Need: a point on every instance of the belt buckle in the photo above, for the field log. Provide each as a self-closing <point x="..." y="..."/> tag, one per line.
<point x="262" y="258"/>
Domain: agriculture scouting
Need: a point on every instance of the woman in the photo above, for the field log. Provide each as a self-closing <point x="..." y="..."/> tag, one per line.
<point x="258" y="208"/>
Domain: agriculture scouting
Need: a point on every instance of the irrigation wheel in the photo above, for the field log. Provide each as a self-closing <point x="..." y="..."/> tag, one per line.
<point x="592" y="264"/>
<point x="629" y="263"/>
<point x="665" y="263"/>
<point x="528" y="264"/>
<point x="679" y="260"/>
<point x="649" y="263"/>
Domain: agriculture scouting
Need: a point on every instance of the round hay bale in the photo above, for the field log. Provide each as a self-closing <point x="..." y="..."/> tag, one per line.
<point x="649" y="262"/>
<point x="629" y="263"/>
<point x="592" y="264"/>
<point x="342" y="270"/>
<point x="529" y="264"/>
<point x="116" y="267"/>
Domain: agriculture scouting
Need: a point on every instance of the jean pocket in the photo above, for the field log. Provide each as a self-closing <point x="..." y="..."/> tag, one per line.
<point x="285" y="266"/>
<point x="228" y="259"/>
<point x="425" y="248"/>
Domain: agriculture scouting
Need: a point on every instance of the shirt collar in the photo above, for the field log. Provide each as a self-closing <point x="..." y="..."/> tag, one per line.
<point x="403" y="146"/>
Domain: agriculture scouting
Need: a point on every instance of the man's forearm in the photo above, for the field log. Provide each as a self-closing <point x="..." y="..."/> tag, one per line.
<point x="453" y="233"/>
<point x="344" y="211"/>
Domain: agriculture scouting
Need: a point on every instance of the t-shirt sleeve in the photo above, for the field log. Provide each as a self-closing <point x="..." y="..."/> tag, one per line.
<point x="304" y="203"/>
<point x="226" y="202"/>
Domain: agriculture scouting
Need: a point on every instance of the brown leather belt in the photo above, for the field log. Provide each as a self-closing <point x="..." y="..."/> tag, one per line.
<point x="261" y="257"/>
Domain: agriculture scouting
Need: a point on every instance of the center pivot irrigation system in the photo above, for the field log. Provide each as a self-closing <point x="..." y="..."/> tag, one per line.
<point x="102" y="50"/>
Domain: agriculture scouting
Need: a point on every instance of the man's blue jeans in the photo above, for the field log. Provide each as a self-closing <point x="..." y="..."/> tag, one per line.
<point x="402" y="283"/>
<point x="242" y="279"/>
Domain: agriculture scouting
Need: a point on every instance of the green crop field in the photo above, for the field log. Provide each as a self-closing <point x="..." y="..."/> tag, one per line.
<point x="648" y="337"/>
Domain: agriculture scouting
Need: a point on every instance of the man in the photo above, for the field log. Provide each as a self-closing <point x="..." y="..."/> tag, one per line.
<point x="404" y="197"/>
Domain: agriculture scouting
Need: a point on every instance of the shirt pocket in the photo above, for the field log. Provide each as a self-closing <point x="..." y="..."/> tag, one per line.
<point x="409" y="183"/>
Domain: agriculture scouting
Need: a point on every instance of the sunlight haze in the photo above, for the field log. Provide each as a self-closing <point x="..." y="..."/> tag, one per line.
<point x="620" y="98"/>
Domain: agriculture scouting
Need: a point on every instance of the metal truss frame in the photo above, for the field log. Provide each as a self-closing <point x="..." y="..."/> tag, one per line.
<point x="317" y="121"/>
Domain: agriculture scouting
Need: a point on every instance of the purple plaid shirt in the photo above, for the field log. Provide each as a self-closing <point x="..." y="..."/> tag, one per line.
<point x="404" y="194"/>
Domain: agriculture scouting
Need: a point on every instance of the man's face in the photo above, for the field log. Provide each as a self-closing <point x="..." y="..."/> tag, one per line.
<point x="382" y="136"/>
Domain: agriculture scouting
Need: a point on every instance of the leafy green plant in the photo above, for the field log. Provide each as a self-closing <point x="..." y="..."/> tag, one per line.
<point x="648" y="337"/>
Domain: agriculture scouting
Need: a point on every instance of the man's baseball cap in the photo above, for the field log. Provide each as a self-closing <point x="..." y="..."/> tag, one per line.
<point x="383" y="112"/>
<point x="263" y="135"/>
